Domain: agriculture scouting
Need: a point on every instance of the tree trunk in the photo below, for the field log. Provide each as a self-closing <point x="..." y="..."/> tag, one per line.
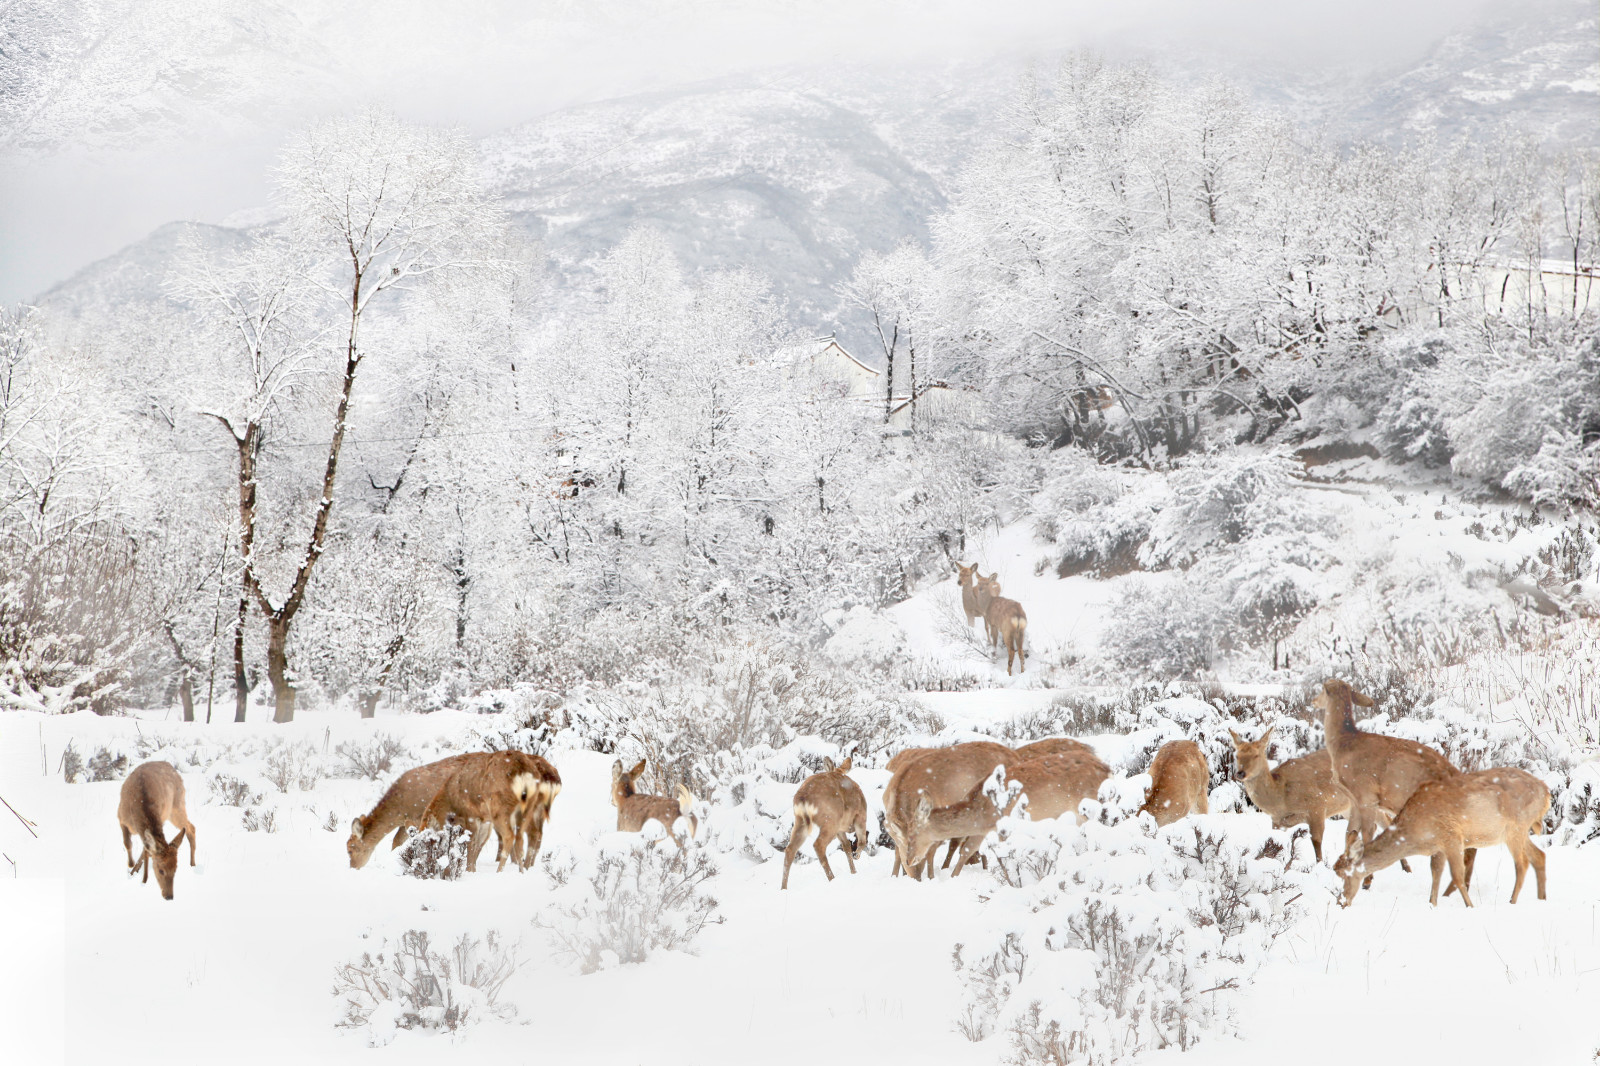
<point x="241" y="684"/>
<point x="186" y="694"/>
<point x="369" y="703"/>
<point x="278" y="669"/>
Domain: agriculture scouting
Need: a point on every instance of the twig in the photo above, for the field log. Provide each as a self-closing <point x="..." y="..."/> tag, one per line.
<point x="29" y="826"/>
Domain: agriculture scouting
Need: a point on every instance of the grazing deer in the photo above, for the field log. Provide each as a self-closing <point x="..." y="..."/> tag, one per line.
<point x="493" y="788"/>
<point x="151" y="797"/>
<point x="833" y="805"/>
<point x="1299" y="790"/>
<point x="1380" y="773"/>
<point x="945" y="776"/>
<point x="968" y="580"/>
<point x="1055" y="785"/>
<point x="635" y="809"/>
<point x="1178" y="779"/>
<point x="400" y="808"/>
<point x="1053" y="746"/>
<point x="1444" y="818"/>
<point x="530" y="825"/>
<point x="1006" y="623"/>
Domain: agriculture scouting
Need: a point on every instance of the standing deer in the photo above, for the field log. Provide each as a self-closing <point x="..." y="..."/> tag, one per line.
<point x="1006" y="622"/>
<point x="1380" y="773"/>
<point x="1299" y="790"/>
<point x="1444" y="818"/>
<point x="635" y="809"/>
<point x="400" y="808"/>
<point x="530" y="826"/>
<point x="494" y="788"/>
<point x="834" y="806"/>
<point x="151" y="797"/>
<point x="967" y="578"/>
<point x="945" y="776"/>
<point x="1178" y="779"/>
<point x="1055" y="785"/>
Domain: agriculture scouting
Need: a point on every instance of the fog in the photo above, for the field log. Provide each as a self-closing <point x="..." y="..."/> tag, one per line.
<point x="145" y="112"/>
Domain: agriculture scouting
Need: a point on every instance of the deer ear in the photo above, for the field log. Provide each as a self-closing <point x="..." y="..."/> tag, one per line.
<point x="1235" y="736"/>
<point x="828" y="765"/>
<point x="848" y="760"/>
<point x="1268" y="733"/>
<point x="1361" y="699"/>
<point x="149" y="840"/>
<point x="638" y="768"/>
<point x="616" y="770"/>
<point x="357" y="830"/>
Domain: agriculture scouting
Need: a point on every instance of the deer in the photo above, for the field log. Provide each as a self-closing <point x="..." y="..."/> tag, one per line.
<point x="945" y="776"/>
<point x="530" y="826"/>
<point x="1379" y="773"/>
<point x="400" y="808"/>
<point x="1448" y="820"/>
<point x="967" y="577"/>
<point x="985" y="590"/>
<point x="834" y="806"/>
<point x="151" y="797"/>
<point x="1298" y="790"/>
<point x="494" y="788"/>
<point x="634" y="809"/>
<point x="1006" y="623"/>
<point x="1052" y="746"/>
<point x="1178" y="779"/>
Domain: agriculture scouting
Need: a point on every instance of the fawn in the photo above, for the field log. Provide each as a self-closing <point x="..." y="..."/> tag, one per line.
<point x="151" y="797"/>
<point x="635" y="809"/>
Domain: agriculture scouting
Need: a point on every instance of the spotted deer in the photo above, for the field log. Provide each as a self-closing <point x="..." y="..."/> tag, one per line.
<point x="1296" y="791"/>
<point x="1445" y="818"/>
<point x="151" y="797"/>
<point x="833" y="805"/>
<point x="400" y="808"/>
<point x="634" y="809"/>
<point x="499" y="789"/>
<point x="1178" y="779"/>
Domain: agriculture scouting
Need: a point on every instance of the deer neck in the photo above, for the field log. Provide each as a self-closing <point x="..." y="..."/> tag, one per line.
<point x="1265" y="788"/>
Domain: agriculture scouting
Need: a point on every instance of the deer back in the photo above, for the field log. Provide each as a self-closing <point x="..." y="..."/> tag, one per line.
<point x="1178" y="778"/>
<point x="1056" y="784"/>
<point x="1005" y="615"/>
<point x="831" y="800"/>
<point x="1038" y="749"/>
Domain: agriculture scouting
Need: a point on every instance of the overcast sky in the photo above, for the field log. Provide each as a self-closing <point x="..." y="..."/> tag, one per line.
<point x="173" y="109"/>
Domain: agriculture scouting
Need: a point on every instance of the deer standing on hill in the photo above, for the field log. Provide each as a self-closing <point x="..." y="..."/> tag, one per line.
<point x="1444" y="818"/>
<point x="1380" y="773"/>
<point x="1178" y="779"/>
<point x="1299" y="790"/>
<point x="400" y="808"/>
<point x="967" y="577"/>
<point x="151" y="797"/>
<point x="634" y="809"/>
<point x="1005" y="621"/>
<point x="834" y="806"/>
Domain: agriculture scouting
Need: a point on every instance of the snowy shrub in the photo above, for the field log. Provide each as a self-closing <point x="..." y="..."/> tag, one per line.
<point x="1121" y="938"/>
<point x="1163" y="627"/>
<point x="259" y="820"/>
<point x="863" y="639"/>
<point x="103" y="765"/>
<point x="436" y="853"/>
<point x="1097" y="516"/>
<point x="412" y="985"/>
<point x="373" y="758"/>
<point x="1563" y="472"/>
<point x="629" y="897"/>
<point x="1220" y="500"/>
<point x="293" y="763"/>
<point x="233" y="792"/>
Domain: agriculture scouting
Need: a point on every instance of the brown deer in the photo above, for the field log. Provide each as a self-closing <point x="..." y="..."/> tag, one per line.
<point x="498" y="789"/>
<point x="1052" y="746"/>
<point x="1444" y="818"/>
<point x="968" y="580"/>
<point x="530" y="826"/>
<point x="1380" y="773"/>
<point x="1299" y="790"/>
<point x="1055" y="785"/>
<point x="945" y="776"/>
<point x="834" y="806"/>
<point x="634" y="809"/>
<point x="986" y="590"/>
<point x="1006" y="623"/>
<point x="151" y="797"/>
<point x="400" y="808"/>
<point x="1178" y="779"/>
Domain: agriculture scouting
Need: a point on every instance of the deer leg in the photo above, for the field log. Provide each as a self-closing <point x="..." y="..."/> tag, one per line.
<point x="849" y="856"/>
<point x="127" y="842"/>
<point x="1519" y="858"/>
<point x="399" y="837"/>
<point x="1458" y="872"/>
<point x="821" y="848"/>
<point x="188" y="831"/>
<point x="954" y="844"/>
<point x="505" y="842"/>
<point x="530" y="850"/>
<point x="476" y="839"/>
<point x="796" y="838"/>
<point x="1318" y="824"/>
<point x="1436" y="864"/>
<point x="1537" y="858"/>
<point x="1471" y="860"/>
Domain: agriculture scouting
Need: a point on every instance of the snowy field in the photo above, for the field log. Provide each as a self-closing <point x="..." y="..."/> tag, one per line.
<point x="858" y="970"/>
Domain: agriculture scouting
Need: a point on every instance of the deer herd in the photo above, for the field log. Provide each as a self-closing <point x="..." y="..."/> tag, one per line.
<point x="1401" y="798"/>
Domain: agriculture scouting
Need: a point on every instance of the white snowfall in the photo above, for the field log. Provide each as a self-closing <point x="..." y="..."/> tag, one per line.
<point x="98" y="968"/>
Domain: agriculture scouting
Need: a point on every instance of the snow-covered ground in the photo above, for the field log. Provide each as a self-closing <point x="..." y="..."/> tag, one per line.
<point x="857" y="970"/>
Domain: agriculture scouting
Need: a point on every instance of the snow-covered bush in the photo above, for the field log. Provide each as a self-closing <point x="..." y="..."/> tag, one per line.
<point x="104" y="765"/>
<point x="1221" y="499"/>
<point x="628" y="897"/>
<point x="232" y="791"/>
<point x="295" y="764"/>
<point x="259" y="820"/>
<point x="373" y="758"/>
<point x="1163" y="627"/>
<point x="436" y="853"/>
<point x="1124" y="937"/>
<point x="412" y="985"/>
<point x="1098" y="517"/>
